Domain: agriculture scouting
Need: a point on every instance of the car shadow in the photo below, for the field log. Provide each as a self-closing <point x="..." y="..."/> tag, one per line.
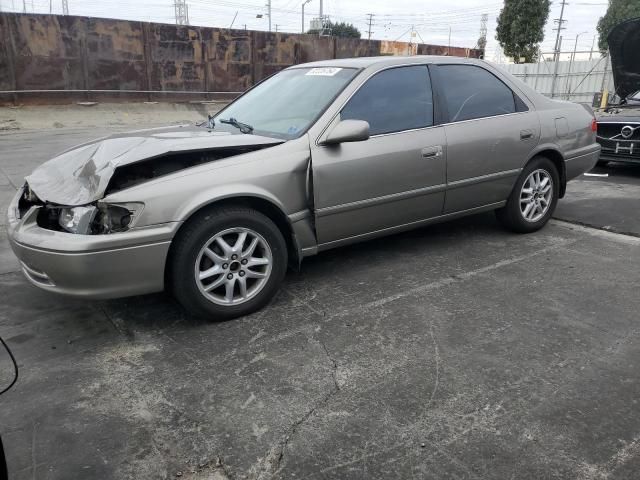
<point x="161" y="311"/>
<point x="616" y="169"/>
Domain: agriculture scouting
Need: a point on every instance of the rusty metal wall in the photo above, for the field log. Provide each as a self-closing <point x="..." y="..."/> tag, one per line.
<point x="84" y="58"/>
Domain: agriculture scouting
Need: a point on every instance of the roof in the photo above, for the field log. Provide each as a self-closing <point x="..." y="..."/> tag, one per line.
<point x="383" y="61"/>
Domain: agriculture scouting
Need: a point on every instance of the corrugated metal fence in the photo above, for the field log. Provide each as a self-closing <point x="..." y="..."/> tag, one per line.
<point x="576" y="81"/>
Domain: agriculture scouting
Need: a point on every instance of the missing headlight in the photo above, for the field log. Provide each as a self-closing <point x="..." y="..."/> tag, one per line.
<point x="113" y="218"/>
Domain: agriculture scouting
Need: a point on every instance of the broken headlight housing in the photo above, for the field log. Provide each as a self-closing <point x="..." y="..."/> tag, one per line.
<point x="99" y="219"/>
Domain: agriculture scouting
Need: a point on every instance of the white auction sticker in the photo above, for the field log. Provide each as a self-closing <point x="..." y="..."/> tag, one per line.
<point x="324" y="71"/>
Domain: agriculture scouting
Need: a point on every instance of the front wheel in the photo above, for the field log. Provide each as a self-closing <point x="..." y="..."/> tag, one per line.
<point x="533" y="199"/>
<point x="227" y="262"/>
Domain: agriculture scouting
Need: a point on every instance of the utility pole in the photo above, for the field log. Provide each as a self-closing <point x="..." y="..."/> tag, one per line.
<point x="449" y="48"/>
<point x="24" y="6"/>
<point x="560" y="21"/>
<point x="303" y="14"/>
<point x="555" y="68"/>
<point x="321" y="9"/>
<point x="369" y="32"/>
<point x="65" y="7"/>
<point x="269" y="13"/>
<point x="276" y="25"/>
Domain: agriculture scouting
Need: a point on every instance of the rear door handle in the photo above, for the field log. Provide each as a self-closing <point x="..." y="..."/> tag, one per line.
<point x="526" y="134"/>
<point x="431" y="152"/>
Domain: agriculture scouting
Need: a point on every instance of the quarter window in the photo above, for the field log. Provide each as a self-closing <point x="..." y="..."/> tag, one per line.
<point x="393" y="100"/>
<point x="473" y="92"/>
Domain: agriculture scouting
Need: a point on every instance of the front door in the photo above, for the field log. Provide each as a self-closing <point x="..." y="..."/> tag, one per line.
<point x="397" y="177"/>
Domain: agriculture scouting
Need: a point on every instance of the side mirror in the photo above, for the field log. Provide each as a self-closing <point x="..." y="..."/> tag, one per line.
<point x="348" y="131"/>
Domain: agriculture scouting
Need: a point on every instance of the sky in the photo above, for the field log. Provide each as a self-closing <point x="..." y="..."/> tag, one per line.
<point x="393" y="20"/>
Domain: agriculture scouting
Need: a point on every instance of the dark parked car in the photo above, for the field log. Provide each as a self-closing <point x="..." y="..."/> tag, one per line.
<point x="619" y="125"/>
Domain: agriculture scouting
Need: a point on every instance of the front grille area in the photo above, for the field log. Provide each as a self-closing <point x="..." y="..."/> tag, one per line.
<point x="608" y="130"/>
<point x="615" y="145"/>
<point x="623" y="149"/>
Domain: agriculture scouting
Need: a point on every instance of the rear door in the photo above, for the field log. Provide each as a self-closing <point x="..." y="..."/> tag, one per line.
<point x="490" y="134"/>
<point x="397" y="176"/>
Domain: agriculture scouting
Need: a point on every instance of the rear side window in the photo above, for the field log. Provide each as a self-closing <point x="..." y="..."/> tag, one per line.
<point x="473" y="92"/>
<point x="393" y="100"/>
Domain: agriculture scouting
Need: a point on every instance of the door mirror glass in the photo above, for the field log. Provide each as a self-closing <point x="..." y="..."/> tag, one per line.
<point x="348" y="131"/>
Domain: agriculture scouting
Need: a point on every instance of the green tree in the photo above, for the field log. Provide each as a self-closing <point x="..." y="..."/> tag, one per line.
<point x="618" y="11"/>
<point x="341" y="29"/>
<point x="521" y="28"/>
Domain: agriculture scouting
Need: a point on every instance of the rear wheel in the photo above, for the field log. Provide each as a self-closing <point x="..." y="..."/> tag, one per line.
<point x="227" y="262"/>
<point x="533" y="199"/>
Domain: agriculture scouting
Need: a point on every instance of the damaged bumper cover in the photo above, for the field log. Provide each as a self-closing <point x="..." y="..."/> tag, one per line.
<point x="90" y="266"/>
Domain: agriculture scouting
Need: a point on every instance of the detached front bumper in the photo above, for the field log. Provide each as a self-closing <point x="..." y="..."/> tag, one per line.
<point x="90" y="266"/>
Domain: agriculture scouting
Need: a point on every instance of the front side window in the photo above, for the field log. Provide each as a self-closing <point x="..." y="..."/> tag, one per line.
<point x="285" y="105"/>
<point x="393" y="100"/>
<point x="473" y="92"/>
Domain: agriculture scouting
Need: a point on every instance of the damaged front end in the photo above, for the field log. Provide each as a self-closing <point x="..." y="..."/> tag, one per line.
<point x="98" y="218"/>
<point x="69" y="190"/>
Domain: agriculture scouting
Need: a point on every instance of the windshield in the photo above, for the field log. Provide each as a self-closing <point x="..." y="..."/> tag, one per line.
<point x="285" y="105"/>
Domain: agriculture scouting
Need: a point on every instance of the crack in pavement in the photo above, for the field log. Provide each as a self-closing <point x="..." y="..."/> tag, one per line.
<point x="271" y="464"/>
<point x="212" y="470"/>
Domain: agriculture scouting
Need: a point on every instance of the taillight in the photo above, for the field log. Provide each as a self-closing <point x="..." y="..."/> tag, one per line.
<point x="594" y="125"/>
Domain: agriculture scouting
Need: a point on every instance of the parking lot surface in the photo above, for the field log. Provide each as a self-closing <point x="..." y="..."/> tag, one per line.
<point x="453" y="351"/>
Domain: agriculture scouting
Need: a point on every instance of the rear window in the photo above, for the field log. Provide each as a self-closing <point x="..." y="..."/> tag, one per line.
<point x="473" y="92"/>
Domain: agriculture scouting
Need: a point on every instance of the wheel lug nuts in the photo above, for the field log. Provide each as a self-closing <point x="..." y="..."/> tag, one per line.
<point x="233" y="257"/>
<point x="244" y="262"/>
<point x="230" y="276"/>
<point x="242" y="273"/>
<point x="225" y="265"/>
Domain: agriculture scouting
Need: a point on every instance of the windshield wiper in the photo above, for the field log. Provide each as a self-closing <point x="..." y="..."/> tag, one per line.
<point x="243" y="127"/>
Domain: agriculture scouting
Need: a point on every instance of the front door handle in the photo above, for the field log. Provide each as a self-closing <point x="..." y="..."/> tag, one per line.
<point x="431" y="152"/>
<point x="526" y="134"/>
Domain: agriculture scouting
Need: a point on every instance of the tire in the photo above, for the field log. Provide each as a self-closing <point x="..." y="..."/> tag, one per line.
<point x="198" y="251"/>
<point x="512" y="216"/>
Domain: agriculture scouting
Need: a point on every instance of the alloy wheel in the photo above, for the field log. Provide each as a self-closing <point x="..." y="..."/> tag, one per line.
<point x="233" y="266"/>
<point x="536" y="195"/>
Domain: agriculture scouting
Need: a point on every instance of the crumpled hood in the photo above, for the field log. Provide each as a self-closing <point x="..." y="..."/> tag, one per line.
<point x="624" y="45"/>
<point x="80" y="175"/>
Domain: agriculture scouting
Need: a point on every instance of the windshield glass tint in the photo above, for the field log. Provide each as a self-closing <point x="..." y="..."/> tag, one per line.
<point x="286" y="104"/>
